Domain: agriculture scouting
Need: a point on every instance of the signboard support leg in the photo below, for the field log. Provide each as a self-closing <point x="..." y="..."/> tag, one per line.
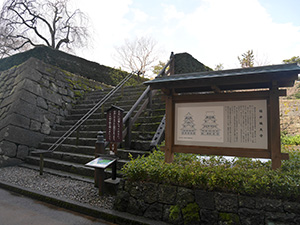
<point x="128" y="136"/>
<point x="169" y="131"/>
<point x="114" y="171"/>
<point x="274" y="140"/>
<point x="100" y="181"/>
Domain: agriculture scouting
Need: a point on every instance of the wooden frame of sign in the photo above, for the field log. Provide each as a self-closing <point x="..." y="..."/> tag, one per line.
<point x="273" y="150"/>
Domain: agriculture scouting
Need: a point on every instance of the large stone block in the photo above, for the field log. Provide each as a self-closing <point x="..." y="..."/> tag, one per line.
<point x="167" y="194"/>
<point x="205" y="199"/>
<point x="8" y="148"/>
<point x="22" y="136"/>
<point x="184" y="197"/>
<point x="15" y="119"/>
<point x="22" y="151"/>
<point x="29" y="110"/>
<point x="251" y="216"/>
<point x="40" y="102"/>
<point x="154" y="211"/>
<point x="226" y="202"/>
<point x="271" y="205"/>
<point x="137" y="207"/>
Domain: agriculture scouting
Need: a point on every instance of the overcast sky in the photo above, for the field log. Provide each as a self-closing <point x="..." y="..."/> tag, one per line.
<point x="213" y="31"/>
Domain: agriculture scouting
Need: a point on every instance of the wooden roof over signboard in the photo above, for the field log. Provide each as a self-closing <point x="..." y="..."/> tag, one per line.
<point x="236" y="79"/>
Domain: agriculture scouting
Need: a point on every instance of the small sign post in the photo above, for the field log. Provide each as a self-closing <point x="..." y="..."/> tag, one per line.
<point x="114" y="126"/>
<point x="100" y="164"/>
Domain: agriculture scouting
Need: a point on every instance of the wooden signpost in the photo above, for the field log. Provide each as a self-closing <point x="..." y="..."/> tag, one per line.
<point x="230" y="112"/>
<point x="100" y="164"/>
<point x="114" y="127"/>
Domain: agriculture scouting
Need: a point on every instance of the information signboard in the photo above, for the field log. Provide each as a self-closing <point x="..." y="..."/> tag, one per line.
<point x="101" y="162"/>
<point x="237" y="124"/>
<point x="114" y="124"/>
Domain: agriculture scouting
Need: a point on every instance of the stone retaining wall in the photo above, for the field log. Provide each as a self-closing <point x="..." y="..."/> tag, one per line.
<point x="33" y="98"/>
<point x="290" y="116"/>
<point x="178" y="205"/>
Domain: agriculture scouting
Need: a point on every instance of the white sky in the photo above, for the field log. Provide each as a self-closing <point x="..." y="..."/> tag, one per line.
<point x="212" y="31"/>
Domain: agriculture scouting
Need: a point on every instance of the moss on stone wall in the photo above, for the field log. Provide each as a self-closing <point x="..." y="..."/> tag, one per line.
<point x="71" y="63"/>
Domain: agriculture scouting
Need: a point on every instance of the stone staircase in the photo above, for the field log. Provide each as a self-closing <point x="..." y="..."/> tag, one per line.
<point x="78" y="149"/>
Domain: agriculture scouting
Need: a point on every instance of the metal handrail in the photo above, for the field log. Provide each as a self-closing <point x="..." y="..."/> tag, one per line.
<point x="88" y="114"/>
<point x="147" y="92"/>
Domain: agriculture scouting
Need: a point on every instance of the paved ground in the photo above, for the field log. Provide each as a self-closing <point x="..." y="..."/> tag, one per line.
<point x="16" y="209"/>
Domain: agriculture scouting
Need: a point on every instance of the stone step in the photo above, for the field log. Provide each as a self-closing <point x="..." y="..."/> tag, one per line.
<point x="70" y="166"/>
<point x="125" y="154"/>
<point x="145" y="117"/>
<point x="142" y="127"/>
<point x="126" y="106"/>
<point x="75" y="168"/>
<point x="89" y="150"/>
<point x="79" y="133"/>
<point x="59" y="173"/>
<point x="73" y="141"/>
<point x="118" y="94"/>
<point x="68" y="157"/>
<point x="71" y="156"/>
<point x="77" y="158"/>
<point x="93" y="134"/>
<point x="95" y="127"/>
<point x="122" y="103"/>
<point x="140" y="145"/>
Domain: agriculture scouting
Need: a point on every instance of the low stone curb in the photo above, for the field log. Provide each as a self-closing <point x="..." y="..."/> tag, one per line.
<point x="105" y="214"/>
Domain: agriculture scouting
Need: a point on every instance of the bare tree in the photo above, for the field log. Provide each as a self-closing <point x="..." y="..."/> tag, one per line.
<point x="25" y="23"/>
<point x="138" y="54"/>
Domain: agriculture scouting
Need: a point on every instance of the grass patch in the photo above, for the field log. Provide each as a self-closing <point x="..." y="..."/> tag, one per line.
<point x="239" y="175"/>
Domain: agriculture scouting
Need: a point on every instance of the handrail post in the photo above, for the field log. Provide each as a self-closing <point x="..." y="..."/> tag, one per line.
<point x="128" y="136"/>
<point x="77" y="137"/>
<point x="150" y="103"/>
<point x="41" y="164"/>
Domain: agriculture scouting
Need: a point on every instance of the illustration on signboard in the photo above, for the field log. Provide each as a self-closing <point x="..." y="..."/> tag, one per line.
<point x="210" y="126"/>
<point x="188" y="126"/>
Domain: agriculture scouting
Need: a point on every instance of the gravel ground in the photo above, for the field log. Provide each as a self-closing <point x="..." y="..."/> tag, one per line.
<point x="63" y="187"/>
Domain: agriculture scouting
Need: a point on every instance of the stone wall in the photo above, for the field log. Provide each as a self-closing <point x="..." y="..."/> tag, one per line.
<point x="34" y="97"/>
<point x="178" y="205"/>
<point x="290" y="116"/>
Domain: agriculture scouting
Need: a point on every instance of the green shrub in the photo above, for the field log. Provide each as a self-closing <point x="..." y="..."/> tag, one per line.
<point x="290" y="140"/>
<point x="241" y="175"/>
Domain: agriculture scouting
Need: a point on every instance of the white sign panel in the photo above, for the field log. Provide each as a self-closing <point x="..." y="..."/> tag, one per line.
<point x="222" y="124"/>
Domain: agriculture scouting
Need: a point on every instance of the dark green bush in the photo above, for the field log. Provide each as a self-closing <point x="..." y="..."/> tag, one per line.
<point x="241" y="175"/>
